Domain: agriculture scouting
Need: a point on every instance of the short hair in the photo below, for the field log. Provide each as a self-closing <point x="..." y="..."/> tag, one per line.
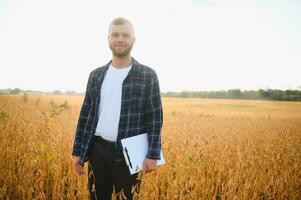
<point x="121" y="21"/>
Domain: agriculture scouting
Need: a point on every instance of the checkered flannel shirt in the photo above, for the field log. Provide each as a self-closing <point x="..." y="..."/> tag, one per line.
<point x="141" y="111"/>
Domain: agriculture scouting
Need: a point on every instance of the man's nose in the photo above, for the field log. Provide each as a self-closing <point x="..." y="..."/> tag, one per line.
<point x="120" y="38"/>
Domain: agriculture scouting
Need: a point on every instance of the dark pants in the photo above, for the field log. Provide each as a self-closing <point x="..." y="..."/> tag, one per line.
<point x="103" y="175"/>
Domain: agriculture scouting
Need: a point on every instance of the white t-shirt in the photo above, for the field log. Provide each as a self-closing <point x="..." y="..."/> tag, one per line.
<point x="110" y="103"/>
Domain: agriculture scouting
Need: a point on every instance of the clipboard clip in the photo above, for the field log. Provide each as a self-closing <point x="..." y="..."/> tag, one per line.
<point x="127" y="157"/>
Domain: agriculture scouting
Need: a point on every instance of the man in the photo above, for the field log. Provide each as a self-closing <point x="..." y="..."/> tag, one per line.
<point x="122" y="99"/>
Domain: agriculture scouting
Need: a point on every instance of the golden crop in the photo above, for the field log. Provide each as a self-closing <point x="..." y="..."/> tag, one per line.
<point x="214" y="149"/>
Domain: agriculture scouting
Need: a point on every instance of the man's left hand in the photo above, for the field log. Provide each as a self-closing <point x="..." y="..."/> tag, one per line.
<point x="149" y="165"/>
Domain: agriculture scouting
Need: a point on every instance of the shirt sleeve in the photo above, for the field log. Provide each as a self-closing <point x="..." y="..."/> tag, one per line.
<point x="154" y="118"/>
<point x="83" y="116"/>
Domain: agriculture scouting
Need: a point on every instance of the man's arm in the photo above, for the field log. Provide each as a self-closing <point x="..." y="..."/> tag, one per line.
<point x="82" y="119"/>
<point x="154" y="121"/>
<point x="154" y="118"/>
<point x="83" y="116"/>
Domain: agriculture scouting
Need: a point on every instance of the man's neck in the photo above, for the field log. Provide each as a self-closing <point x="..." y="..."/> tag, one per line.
<point x="121" y="62"/>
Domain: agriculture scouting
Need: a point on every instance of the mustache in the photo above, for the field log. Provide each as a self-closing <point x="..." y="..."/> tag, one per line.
<point x="120" y="45"/>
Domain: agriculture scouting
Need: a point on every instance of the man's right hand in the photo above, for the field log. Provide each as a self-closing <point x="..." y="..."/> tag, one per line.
<point x="78" y="168"/>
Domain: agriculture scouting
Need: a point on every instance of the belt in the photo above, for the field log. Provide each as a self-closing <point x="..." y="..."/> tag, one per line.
<point x="106" y="143"/>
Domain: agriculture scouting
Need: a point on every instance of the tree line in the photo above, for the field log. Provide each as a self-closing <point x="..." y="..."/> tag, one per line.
<point x="268" y="94"/>
<point x="55" y="92"/>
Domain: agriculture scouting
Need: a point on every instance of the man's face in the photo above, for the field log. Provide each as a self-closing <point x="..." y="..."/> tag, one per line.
<point x="121" y="39"/>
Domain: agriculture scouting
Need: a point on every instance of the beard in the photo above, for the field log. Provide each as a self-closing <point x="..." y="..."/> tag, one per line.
<point x="121" y="53"/>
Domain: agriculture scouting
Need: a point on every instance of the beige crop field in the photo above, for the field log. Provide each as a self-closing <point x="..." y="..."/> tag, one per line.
<point x="214" y="149"/>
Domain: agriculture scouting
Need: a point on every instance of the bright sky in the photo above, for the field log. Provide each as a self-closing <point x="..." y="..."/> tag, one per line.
<point x="192" y="44"/>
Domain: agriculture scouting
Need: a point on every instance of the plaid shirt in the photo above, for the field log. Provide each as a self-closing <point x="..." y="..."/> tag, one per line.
<point x="141" y="111"/>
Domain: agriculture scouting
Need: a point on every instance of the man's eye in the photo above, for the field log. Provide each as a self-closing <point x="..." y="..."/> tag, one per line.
<point x="115" y="35"/>
<point x="126" y="35"/>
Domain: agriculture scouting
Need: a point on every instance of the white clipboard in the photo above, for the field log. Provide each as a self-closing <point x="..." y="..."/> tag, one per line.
<point x="135" y="150"/>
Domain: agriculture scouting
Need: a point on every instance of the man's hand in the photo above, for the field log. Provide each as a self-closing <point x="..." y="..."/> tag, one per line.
<point x="78" y="168"/>
<point x="149" y="165"/>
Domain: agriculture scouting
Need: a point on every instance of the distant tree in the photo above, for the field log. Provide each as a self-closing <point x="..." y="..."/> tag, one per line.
<point x="234" y="93"/>
<point x="215" y="94"/>
<point x="250" y="94"/>
<point x="56" y="92"/>
<point x="15" y="91"/>
<point x="292" y="95"/>
<point x="276" y="94"/>
<point x="70" y="92"/>
<point x="185" y="94"/>
<point x="264" y="94"/>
